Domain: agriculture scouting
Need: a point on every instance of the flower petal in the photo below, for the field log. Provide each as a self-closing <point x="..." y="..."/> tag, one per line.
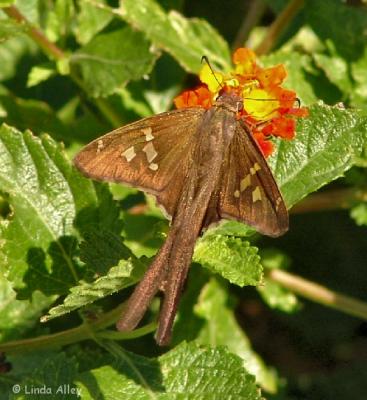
<point x="212" y="79"/>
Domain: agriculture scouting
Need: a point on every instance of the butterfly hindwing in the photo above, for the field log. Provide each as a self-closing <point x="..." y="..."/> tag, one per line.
<point x="148" y="154"/>
<point x="248" y="191"/>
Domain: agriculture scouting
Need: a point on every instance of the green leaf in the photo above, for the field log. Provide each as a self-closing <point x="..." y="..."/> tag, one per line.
<point x="40" y="74"/>
<point x="277" y="297"/>
<point x="50" y="202"/>
<point x="231" y="228"/>
<point x="55" y="375"/>
<point x="359" y="214"/>
<point x="92" y="18"/>
<point x="358" y="68"/>
<point x="219" y="328"/>
<point x="187" y="372"/>
<point x="59" y="19"/>
<point x="336" y="69"/>
<point x="125" y="274"/>
<point x="110" y="60"/>
<point x="327" y="144"/>
<point x="9" y="28"/>
<point x="18" y="316"/>
<point x="12" y="52"/>
<point x="32" y="114"/>
<point x="231" y="257"/>
<point x="6" y="3"/>
<point x="343" y="24"/>
<point x="187" y="40"/>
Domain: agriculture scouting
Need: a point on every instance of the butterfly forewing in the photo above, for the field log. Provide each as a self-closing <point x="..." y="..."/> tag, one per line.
<point x="152" y="154"/>
<point x="248" y="190"/>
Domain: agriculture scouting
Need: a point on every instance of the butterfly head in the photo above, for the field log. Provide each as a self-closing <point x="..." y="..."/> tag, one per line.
<point x="230" y="100"/>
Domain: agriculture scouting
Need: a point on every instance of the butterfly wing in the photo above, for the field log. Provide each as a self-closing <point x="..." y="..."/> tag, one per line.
<point x="248" y="191"/>
<point x="152" y="154"/>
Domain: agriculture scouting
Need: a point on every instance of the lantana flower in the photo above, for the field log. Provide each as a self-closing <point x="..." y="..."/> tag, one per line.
<point x="268" y="109"/>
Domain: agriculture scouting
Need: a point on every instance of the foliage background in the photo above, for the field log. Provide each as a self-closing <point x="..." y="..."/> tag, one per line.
<point x="71" y="249"/>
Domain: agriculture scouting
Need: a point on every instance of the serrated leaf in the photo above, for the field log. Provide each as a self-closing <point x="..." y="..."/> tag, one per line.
<point x="50" y="202"/>
<point x="110" y="60"/>
<point x="187" y="372"/>
<point x="187" y="40"/>
<point x="233" y="258"/>
<point x="125" y="274"/>
<point x="327" y="144"/>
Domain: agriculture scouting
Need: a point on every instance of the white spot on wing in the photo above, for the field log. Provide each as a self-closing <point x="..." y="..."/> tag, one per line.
<point x="277" y="204"/>
<point x="256" y="194"/>
<point x="100" y="145"/>
<point x="245" y="183"/>
<point x="149" y="150"/>
<point x="236" y="193"/>
<point x="129" y="154"/>
<point x="255" y="168"/>
<point x="148" y="134"/>
<point x="153" y="166"/>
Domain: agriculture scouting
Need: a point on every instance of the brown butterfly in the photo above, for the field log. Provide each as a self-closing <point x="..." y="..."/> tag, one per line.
<point x="202" y="166"/>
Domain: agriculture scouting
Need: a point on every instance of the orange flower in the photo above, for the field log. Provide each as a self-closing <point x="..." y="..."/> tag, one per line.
<point x="191" y="98"/>
<point x="268" y="108"/>
<point x="266" y="146"/>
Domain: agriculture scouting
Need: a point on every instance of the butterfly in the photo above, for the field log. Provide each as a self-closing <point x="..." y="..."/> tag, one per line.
<point x="202" y="165"/>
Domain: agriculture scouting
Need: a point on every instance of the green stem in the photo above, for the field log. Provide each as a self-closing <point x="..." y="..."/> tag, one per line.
<point x="254" y="13"/>
<point x="330" y="200"/>
<point x="319" y="294"/>
<point x="90" y="330"/>
<point x="115" y="335"/>
<point x="56" y="54"/>
<point x="48" y="47"/>
<point x="278" y="26"/>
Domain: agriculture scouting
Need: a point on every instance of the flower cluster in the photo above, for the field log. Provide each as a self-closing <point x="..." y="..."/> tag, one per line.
<point x="268" y="109"/>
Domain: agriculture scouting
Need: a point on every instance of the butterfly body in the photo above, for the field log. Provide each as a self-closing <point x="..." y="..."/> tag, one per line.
<point x="201" y="165"/>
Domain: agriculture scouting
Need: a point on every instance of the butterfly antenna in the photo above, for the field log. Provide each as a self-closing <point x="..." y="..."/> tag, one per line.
<point x="205" y="58"/>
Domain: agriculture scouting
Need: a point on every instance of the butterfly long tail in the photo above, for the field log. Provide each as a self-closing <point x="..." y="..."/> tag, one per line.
<point x="148" y="287"/>
<point x="179" y="263"/>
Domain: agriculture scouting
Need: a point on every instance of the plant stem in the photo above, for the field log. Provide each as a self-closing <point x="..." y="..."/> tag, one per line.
<point x="48" y="47"/>
<point x="330" y="200"/>
<point x="56" y="54"/>
<point x="319" y="294"/>
<point x="253" y="15"/>
<point x="278" y="26"/>
<point x="82" y="332"/>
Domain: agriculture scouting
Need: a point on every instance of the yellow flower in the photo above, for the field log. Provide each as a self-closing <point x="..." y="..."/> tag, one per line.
<point x="214" y="80"/>
<point x="260" y="104"/>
